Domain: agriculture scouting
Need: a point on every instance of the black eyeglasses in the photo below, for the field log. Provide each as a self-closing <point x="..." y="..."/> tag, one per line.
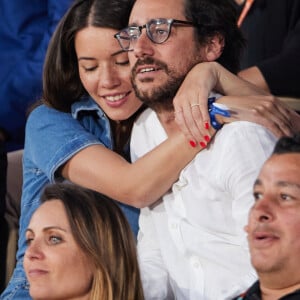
<point x="158" y="31"/>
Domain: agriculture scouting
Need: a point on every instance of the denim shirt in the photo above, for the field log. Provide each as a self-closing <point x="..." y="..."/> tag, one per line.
<point x="52" y="138"/>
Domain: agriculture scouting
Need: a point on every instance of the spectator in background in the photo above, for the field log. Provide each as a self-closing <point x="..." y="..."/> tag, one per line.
<point x="272" y="56"/>
<point x="25" y="30"/>
<point x="82" y="246"/>
<point x="274" y="225"/>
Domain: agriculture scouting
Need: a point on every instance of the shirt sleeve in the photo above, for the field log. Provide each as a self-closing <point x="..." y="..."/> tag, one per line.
<point x="53" y="137"/>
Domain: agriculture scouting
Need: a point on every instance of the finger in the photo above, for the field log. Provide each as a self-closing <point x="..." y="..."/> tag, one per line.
<point x="194" y="137"/>
<point x="196" y="124"/>
<point x="203" y="107"/>
<point x="180" y="120"/>
<point x="281" y="107"/>
<point x="277" y="126"/>
<point x="277" y="112"/>
<point x="276" y="119"/>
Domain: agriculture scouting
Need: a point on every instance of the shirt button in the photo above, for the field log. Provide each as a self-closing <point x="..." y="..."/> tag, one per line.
<point x="195" y="262"/>
<point x="174" y="226"/>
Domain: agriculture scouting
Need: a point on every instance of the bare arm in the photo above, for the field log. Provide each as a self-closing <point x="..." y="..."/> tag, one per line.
<point x="139" y="184"/>
<point x="254" y="76"/>
<point x="209" y="76"/>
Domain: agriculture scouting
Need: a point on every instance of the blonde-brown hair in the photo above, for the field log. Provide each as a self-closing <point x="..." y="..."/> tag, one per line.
<point x="103" y="233"/>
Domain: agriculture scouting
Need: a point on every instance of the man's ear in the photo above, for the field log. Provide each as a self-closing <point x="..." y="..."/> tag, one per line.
<point x="214" y="47"/>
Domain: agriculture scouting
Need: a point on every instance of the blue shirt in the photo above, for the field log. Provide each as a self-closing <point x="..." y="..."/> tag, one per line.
<point x="25" y="31"/>
<point x="52" y="138"/>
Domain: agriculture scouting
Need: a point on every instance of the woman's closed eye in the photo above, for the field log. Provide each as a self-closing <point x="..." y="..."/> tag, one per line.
<point x="122" y="63"/>
<point x="90" y="69"/>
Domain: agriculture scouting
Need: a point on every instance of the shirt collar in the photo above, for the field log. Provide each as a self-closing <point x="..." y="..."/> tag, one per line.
<point x="86" y="103"/>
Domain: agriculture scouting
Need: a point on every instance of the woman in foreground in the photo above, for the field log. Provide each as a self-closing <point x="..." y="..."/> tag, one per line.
<point x="80" y="246"/>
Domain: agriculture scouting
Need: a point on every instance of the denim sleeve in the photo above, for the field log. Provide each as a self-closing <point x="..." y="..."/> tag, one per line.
<point x="53" y="137"/>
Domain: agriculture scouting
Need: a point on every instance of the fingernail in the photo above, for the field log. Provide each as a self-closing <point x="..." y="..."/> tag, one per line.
<point x="206" y="125"/>
<point x="202" y="144"/>
<point x="207" y="138"/>
<point x="192" y="143"/>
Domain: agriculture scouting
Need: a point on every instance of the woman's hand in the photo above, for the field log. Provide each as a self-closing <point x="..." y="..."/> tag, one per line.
<point x="190" y="103"/>
<point x="246" y="102"/>
<point x="267" y="111"/>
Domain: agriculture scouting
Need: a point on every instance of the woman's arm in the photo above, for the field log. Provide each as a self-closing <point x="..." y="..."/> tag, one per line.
<point x="139" y="184"/>
<point x="262" y="108"/>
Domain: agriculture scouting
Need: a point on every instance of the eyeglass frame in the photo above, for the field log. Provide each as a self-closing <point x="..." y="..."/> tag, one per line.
<point x="169" y="22"/>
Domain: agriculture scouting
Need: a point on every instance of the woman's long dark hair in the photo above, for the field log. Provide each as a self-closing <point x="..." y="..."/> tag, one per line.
<point x="61" y="82"/>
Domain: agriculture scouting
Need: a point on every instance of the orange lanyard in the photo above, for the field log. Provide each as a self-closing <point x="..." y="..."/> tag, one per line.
<point x="244" y="12"/>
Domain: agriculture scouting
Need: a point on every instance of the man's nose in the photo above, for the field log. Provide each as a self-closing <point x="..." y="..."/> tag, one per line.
<point x="263" y="210"/>
<point x="143" y="46"/>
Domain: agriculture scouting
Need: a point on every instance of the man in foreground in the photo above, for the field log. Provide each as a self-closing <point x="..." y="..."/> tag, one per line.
<point x="274" y="225"/>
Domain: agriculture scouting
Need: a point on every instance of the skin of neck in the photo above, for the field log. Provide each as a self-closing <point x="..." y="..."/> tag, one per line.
<point x="276" y="286"/>
<point x="167" y="120"/>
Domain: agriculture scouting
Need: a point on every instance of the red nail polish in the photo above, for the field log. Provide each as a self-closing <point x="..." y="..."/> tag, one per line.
<point x="202" y="144"/>
<point x="207" y="138"/>
<point x="192" y="143"/>
<point x="206" y="125"/>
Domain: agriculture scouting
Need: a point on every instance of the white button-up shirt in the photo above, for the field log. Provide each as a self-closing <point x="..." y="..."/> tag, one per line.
<point x="191" y="244"/>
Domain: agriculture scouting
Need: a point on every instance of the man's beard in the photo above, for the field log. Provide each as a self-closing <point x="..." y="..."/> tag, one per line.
<point x="158" y="98"/>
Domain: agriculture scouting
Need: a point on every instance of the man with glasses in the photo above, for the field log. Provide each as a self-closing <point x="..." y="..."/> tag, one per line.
<point x="191" y="244"/>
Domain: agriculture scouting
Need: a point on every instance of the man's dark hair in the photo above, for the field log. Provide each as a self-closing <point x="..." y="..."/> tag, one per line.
<point x="217" y="17"/>
<point x="288" y="145"/>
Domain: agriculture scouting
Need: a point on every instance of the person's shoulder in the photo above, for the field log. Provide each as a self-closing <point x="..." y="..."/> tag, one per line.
<point x="243" y="134"/>
<point x="43" y="111"/>
<point x="46" y="119"/>
<point x="243" y="127"/>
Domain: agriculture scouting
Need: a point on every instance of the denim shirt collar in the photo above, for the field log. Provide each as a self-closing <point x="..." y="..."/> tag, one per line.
<point x="86" y="104"/>
<point x="85" y="111"/>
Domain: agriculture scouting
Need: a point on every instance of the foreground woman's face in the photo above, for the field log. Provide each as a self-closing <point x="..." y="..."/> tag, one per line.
<point x="55" y="266"/>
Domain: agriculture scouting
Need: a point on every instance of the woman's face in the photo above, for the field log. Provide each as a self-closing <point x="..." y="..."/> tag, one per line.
<point x="105" y="72"/>
<point x="55" y="266"/>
